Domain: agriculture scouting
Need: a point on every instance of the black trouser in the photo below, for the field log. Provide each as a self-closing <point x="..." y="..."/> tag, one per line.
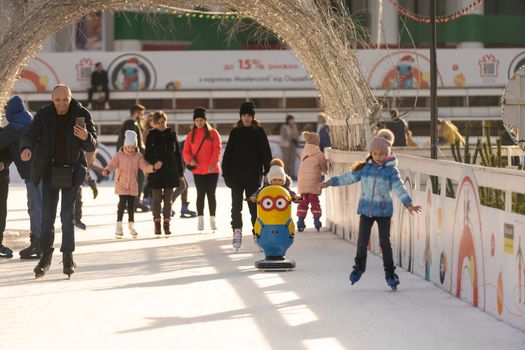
<point x="206" y="186"/>
<point x="4" y="191"/>
<point x="91" y="90"/>
<point x="78" y="205"/>
<point x="162" y="195"/>
<point x="238" y="191"/>
<point x="365" y="227"/>
<point x="129" y="202"/>
<point x="181" y="191"/>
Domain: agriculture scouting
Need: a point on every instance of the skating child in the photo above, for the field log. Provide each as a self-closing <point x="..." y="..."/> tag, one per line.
<point x="277" y="177"/>
<point x="378" y="175"/>
<point x="127" y="162"/>
<point x="313" y="166"/>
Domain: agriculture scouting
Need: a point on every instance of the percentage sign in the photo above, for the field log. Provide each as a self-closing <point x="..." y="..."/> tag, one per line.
<point x="258" y="64"/>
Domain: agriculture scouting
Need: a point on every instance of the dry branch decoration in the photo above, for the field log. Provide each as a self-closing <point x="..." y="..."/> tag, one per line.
<point x="321" y="33"/>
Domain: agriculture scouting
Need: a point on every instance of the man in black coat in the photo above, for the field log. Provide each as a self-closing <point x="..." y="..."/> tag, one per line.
<point x="246" y="159"/>
<point x="56" y="143"/>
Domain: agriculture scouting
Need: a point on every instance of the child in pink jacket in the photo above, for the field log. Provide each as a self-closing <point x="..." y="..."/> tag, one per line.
<point x="313" y="166"/>
<point x="127" y="162"/>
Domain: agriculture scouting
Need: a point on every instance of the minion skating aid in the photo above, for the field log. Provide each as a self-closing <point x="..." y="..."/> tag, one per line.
<point x="274" y="228"/>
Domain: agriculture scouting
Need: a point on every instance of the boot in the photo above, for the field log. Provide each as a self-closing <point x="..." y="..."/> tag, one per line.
<point x="118" y="230"/>
<point x="213" y="225"/>
<point x="392" y="280"/>
<point x="185" y="212"/>
<point x="237" y="239"/>
<point x="300" y="224"/>
<point x="355" y="275"/>
<point x="132" y="231"/>
<point x="140" y="207"/>
<point x="33" y="251"/>
<point x="317" y="224"/>
<point x="166" y="226"/>
<point x="43" y="265"/>
<point x="157" y="227"/>
<point x="68" y="264"/>
<point x="200" y="223"/>
<point x="5" y="252"/>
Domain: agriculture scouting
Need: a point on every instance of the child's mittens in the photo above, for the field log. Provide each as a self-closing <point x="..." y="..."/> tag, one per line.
<point x="297" y="199"/>
<point x="253" y="199"/>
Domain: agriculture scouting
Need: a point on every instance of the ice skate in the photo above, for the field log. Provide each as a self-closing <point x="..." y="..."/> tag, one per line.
<point x="44" y="264"/>
<point x="392" y="280"/>
<point x="213" y="224"/>
<point x="237" y="239"/>
<point x="200" y="223"/>
<point x="118" y="230"/>
<point x="68" y="264"/>
<point x="131" y="227"/>
<point x="355" y="275"/>
<point x="300" y="224"/>
<point x="5" y="252"/>
<point x="185" y="212"/>
<point x="317" y="224"/>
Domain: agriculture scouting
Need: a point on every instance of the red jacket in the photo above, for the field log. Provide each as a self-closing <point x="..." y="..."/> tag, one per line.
<point x="209" y="153"/>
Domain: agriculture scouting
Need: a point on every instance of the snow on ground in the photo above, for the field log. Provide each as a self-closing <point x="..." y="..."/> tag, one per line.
<point x="192" y="291"/>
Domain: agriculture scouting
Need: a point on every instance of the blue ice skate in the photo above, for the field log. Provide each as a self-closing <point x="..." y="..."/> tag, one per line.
<point x="355" y="275"/>
<point x="392" y="281"/>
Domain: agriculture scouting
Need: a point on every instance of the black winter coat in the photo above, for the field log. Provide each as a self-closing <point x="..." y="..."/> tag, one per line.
<point x="10" y="137"/>
<point x="39" y="137"/>
<point x="163" y="146"/>
<point x="247" y="156"/>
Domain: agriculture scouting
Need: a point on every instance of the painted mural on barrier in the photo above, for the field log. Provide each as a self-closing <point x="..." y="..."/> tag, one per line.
<point x="474" y="252"/>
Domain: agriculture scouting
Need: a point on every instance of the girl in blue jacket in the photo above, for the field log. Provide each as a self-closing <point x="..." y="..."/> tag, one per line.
<point x="379" y="176"/>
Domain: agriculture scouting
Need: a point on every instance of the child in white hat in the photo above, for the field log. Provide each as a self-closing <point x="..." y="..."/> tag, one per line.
<point x="127" y="163"/>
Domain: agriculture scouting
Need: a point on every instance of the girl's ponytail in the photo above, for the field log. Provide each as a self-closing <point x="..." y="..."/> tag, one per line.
<point x="360" y="164"/>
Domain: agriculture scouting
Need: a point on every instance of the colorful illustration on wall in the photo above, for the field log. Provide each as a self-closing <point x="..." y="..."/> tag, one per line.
<point x="458" y="78"/>
<point x="38" y="76"/>
<point x="508" y="238"/>
<point x="500" y="300"/>
<point x="521" y="273"/>
<point x="468" y="275"/>
<point x="402" y="70"/>
<point x="405" y="224"/>
<point x="132" y="72"/>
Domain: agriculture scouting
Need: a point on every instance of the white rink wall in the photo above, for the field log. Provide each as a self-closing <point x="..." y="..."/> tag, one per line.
<point x="476" y="253"/>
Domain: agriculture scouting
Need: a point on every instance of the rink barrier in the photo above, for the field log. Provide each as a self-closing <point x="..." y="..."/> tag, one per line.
<point x="474" y="252"/>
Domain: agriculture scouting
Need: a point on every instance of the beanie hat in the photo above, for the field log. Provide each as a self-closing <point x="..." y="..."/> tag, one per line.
<point x="311" y="137"/>
<point x="247" y="108"/>
<point x="199" y="112"/>
<point x="382" y="142"/>
<point x="276" y="172"/>
<point x="130" y="138"/>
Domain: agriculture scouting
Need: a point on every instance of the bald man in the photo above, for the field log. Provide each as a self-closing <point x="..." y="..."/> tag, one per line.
<point x="56" y="142"/>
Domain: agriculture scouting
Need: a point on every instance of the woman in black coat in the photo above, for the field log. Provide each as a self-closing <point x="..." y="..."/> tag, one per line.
<point x="246" y="159"/>
<point x="162" y="145"/>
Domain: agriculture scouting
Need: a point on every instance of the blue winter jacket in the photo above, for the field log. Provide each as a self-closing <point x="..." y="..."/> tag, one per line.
<point x="377" y="181"/>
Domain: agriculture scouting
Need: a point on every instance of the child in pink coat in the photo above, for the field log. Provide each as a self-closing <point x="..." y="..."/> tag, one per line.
<point x="127" y="162"/>
<point x="313" y="166"/>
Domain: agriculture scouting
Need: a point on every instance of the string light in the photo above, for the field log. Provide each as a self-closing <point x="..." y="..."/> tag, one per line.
<point x="439" y="19"/>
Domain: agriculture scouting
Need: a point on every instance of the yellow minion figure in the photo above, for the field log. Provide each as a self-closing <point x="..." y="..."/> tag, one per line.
<point x="274" y="227"/>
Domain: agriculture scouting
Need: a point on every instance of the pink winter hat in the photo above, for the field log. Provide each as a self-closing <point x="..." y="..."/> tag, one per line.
<point x="382" y="141"/>
<point x="311" y="137"/>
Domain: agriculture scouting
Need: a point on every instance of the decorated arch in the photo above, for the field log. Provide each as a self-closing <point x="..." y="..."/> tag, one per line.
<point x="322" y="35"/>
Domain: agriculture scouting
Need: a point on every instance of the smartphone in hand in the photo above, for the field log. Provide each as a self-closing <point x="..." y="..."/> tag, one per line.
<point x="80" y="121"/>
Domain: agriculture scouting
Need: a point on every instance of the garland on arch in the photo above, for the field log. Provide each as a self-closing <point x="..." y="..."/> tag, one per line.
<point x="439" y="19"/>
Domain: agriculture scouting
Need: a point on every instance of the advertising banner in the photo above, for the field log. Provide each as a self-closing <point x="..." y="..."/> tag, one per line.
<point x="265" y="69"/>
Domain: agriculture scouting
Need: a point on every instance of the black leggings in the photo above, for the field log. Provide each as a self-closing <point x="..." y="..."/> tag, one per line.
<point x="365" y="227"/>
<point x="130" y="201"/>
<point x="206" y="186"/>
